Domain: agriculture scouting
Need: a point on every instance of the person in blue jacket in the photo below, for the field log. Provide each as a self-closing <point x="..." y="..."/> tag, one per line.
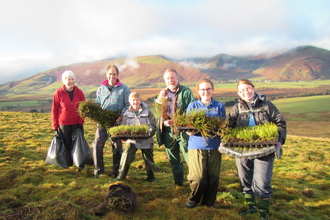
<point x="204" y="157"/>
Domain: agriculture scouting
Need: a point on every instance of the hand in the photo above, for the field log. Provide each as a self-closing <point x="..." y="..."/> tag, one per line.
<point x="168" y="123"/>
<point x="278" y="150"/>
<point x="162" y="93"/>
<point x="191" y="132"/>
<point x="119" y="119"/>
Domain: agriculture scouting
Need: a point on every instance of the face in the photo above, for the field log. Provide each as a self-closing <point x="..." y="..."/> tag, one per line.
<point x="171" y="80"/>
<point x="112" y="76"/>
<point x="246" y="92"/>
<point x="135" y="103"/>
<point x="205" y="91"/>
<point x="69" y="82"/>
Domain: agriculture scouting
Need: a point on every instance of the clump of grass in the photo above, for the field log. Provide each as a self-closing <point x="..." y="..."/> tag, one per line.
<point x="103" y="117"/>
<point x="197" y="119"/>
<point x="129" y="130"/>
<point x="247" y="134"/>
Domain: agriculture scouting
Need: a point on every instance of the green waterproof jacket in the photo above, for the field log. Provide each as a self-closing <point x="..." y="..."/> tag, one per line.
<point x="183" y="98"/>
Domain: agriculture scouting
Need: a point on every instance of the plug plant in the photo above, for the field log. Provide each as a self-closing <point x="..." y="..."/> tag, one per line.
<point x="129" y="130"/>
<point x="247" y="134"/>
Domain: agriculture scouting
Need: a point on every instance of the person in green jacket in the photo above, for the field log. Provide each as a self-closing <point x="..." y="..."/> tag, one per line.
<point x="178" y="98"/>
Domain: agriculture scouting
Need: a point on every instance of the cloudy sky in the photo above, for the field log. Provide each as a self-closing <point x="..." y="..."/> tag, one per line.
<point x="37" y="35"/>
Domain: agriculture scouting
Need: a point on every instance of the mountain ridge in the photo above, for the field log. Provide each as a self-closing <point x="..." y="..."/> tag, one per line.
<point x="303" y="63"/>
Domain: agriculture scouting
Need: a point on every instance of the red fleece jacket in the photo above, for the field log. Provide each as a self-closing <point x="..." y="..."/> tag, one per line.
<point x="64" y="111"/>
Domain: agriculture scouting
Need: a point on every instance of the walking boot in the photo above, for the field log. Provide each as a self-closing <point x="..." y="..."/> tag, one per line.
<point x="251" y="201"/>
<point x="264" y="205"/>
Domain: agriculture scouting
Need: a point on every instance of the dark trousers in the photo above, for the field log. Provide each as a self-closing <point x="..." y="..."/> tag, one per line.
<point x="101" y="137"/>
<point x="255" y="175"/>
<point x="204" y="173"/>
<point x="66" y="133"/>
<point x="129" y="156"/>
<point x="173" y="146"/>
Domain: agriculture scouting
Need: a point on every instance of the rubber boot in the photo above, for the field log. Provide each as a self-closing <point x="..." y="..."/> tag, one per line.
<point x="251" y="201"/>
<point x="264" y="205"/>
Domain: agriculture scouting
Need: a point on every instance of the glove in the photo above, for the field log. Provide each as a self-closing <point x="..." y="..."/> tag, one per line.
<point x="150" y="133"/>
<point x="220" y="149"/>
<point x="278" y="150"/>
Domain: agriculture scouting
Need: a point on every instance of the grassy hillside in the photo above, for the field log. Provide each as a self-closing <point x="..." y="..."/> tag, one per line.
<point x="306" y="116"/>
<point x="31" y="189"/>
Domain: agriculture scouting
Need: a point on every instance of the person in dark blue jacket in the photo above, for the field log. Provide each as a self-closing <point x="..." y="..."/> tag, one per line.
<point x="204" y="157"/>
<point x="255" y="175"/>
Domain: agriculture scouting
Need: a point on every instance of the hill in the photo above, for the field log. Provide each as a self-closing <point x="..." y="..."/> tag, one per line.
<point x="298" y="64"/>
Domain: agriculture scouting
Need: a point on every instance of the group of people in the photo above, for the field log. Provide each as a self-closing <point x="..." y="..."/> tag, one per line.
<point x="200" y="153"/>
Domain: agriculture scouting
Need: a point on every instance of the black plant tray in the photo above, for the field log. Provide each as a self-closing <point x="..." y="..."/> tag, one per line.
<point x="125" y="137"/>
<point x="251" y="144"/>
<point x="248" y="150"/>
<point x="182" y="129"/>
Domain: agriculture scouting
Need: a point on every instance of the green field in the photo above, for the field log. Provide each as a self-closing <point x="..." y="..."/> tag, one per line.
<point x="307" y="84"/>
<point x="304" y="104"/>
<point x="21" y="103"/>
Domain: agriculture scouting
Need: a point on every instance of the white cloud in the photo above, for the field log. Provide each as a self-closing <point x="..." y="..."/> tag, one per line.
<point x="37" y="35"/>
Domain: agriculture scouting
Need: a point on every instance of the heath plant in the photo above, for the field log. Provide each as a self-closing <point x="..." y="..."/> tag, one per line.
<point x="198" y="120"/>
<point x="118" y="204"/>
<point x="103" y="117"/>
<point x="161" y="107"/>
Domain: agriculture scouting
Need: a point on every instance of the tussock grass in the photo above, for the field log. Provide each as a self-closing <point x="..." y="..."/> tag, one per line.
<point x="31" y="189"/>
<point x="101" y="116"/>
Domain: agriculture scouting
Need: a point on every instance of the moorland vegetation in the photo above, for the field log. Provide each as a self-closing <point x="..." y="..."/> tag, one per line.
<point x="32" y="189"/>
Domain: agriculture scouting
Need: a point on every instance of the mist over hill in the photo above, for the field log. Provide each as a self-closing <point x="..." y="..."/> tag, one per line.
<point x="303" y="63"/>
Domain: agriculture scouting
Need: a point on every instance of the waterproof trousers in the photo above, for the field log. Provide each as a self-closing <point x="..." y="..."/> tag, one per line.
<point x="101" y="137"/>
<point x="204" y="174"/>
<point x="128" y="157"/>
<point x="173" y="146"/>
<point x="255" y="175"/>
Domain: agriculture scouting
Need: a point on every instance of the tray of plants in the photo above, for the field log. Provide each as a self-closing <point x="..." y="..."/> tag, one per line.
<point x="125" y="137"/>
<point x="182" y="129"/>
<point x="197" y="120"/>
<point x="250" y="142"/>
<point x="125" y="132"/>
<point x="248" y="150"/>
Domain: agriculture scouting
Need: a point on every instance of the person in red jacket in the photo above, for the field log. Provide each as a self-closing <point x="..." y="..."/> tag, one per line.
<point x="64" y="108"/>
